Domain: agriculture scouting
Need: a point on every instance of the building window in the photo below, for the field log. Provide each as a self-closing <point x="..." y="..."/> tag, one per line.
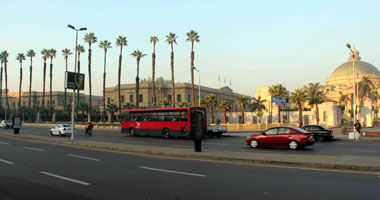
<point x="131" y="98"/>
<point x="179" y="99"/>
<point x="140" y="98"/>
<point x="108" y="100"/>
<point x="170" y="98"/>
<point x="53" y="102"/>
<point x="122" y="99"/>
<point x="188" y="98"/>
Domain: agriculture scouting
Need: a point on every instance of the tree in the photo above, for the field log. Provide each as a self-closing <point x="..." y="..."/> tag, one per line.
<point x="374" y="97"/>
<point x="315" y="96"/>
<point x="45" y="56"/>
<point x="241" y="102"/>
<point x="298" y="97"/>
<point x="211" y="101"/>
<point x="183" y="104"/>
<point x="138" y="55"/>
<point x="258" y="104"/>
<point x="278" y="91"/>
<point x="154" y="40"/>
<point x="52" y="54"/>
<point x="128" y="106"/>
<point x="66" y="53"/>
<point x="2" y="59"/>
<point x="90" y="38"/>
<point x="79" y="49"/>
<point x="344" y="99"/>
<point x="120" y="42"/>
<point x="4" y="56"/>
<point x="83" y="106"/>
<point x="171" y="39"/>
<point x="30" y="54"/>
<point x="224" y="106"/>
<point x="111" y="108"/>
<point x="105" y="44"/>
<point x="192" y="36"/>
<point x="164" y="103"/>
<point x="365" y="88"/>
<point x="20" y="57"/>
<point x="259" y="114"/>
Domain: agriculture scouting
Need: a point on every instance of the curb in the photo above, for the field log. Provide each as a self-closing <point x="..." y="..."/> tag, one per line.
<point x="198" y="156"/>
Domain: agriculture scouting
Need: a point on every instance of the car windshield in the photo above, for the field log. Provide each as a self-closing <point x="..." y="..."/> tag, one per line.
<point x="7" y="121"/>
<point x="300" y="130"/>
<point x="66" y="125"/>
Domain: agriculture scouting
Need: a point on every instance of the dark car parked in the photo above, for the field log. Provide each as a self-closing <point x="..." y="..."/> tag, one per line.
<point x="285" y="136"/>
<point x="320" y="132"/>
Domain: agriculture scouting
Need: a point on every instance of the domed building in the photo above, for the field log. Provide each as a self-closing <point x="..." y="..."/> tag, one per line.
<point x="341" y="82"/>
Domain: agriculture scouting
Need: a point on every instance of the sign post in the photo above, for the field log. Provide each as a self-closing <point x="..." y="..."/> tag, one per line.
<point x="196" y="129"/>
<point x="16" y="124"/>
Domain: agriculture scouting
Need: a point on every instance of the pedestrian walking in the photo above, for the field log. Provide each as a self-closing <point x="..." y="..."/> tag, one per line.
<point x="357" y="126"/>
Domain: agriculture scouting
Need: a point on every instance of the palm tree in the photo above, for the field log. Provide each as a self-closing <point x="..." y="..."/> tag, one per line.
<point x="138" y="55"/>
<point x="225" y="106"/>
<point x="30" y="54"/>
<point x="52" y="54"/>
<point x="20" y="57"/>
<point x="344" y="99"/>
<point x="120" y="42"/>
<point x="154" y="40"/>
<point x="258" y="104"/>
<point x="80" y="49"/>
<point x="192" y="36"/>
<point x="241" y="102"/>
<point x="90" y="38"/>
<point x="111" y="108"/>
<point x="171" y="39"/>
<point x="65" y="52"/>
<point x="4" y="56"/>
<point x="298" y="97"/>
<point x="365" y="88"/>
<point x="211" y="101"/>
<point x="374" y="97"/>
<point x="164" y="103"/>
<point x="2" y="59"/>
<point x="45" y="56"/>
<point x="183" y="104"/>
<point x="83" y="106"/>
<point x="315" y="96"/>
<point x="128" y="106"/>
<point x="104" y="45"/>
<point x="278" y="91"/>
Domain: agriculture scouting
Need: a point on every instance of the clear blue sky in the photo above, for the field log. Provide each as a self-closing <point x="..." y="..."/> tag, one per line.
<point x="255" y="43"/>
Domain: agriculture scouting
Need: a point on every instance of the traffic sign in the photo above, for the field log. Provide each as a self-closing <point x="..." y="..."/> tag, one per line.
<point x="74" y="80"/>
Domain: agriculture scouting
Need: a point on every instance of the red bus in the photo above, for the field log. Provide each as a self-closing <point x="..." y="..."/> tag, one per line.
<point x="166" y="122"/>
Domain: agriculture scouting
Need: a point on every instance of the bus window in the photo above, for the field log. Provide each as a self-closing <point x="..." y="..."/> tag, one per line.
<point x="184" y="116"/>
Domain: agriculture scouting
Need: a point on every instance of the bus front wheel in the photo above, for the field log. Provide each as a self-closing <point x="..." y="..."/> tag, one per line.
<point x="166" y="132"/>
<point x="132" y="131"/>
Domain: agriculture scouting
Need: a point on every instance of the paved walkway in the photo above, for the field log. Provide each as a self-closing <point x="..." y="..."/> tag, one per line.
<point x="356" y="163"/>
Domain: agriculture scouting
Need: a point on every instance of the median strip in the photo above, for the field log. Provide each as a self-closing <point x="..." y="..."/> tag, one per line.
<point x="5" y="161"/>
<point x="64" y="178"/>
<point x="34" y="149"/>
<point x="174" y="172"/>
<point x="83" y="157"/>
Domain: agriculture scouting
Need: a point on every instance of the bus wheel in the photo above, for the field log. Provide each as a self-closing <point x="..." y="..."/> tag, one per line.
<point x="166" y="132"/>
<point x="132" y="131"/>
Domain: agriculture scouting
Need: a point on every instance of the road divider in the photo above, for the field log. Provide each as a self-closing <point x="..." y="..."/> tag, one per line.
<point x="174" y="172"/>
<point x="83" y="157"/>
<point x="64" y="178"/>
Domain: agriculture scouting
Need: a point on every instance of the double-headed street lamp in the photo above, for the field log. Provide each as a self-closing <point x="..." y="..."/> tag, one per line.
<point x="75" y="71"/>
<point x="353" y="86"/>
<point x="199" y="86"/>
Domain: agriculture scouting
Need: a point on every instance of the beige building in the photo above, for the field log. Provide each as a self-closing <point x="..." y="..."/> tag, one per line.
<point x="164" y="91"/>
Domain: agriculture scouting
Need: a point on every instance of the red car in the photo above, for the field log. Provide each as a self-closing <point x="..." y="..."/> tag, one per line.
<point x="286" y="136"/>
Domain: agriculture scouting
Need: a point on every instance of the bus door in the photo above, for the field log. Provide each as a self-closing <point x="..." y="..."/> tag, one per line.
<point x="196" y="124"/>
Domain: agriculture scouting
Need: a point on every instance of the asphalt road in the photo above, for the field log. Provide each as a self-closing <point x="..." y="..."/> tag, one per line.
<point x="235" y="144"/>
<point x="32" y="170"/>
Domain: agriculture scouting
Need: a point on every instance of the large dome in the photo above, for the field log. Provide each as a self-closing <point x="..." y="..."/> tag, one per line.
<point x="361" y="67"/>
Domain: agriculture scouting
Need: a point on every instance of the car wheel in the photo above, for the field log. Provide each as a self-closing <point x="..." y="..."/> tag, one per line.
<point x="254" y="144"/>
<point x="166" y="133"/>
<point x="132" y="131"/>
<point x="51" y="133"/>
<point x="293" y="145"/>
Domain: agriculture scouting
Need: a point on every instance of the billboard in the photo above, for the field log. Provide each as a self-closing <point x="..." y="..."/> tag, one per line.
<point x="74" y="80"/>
<point x="280" y="100"/>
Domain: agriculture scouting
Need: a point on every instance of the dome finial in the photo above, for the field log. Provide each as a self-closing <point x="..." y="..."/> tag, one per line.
<point x="354" y="55"/>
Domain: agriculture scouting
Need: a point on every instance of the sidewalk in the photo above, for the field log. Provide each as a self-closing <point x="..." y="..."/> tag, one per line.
<point x="357" y="163"/>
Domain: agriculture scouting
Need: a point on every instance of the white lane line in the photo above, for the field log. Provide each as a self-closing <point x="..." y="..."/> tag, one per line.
<point x="34" y="149"/>
<point x="183" y="146"/>
<point x="83" y="157"/>
<point x="5" y="161"/>
<point x="4" y="143"/>
<point x="366" y="151"/>
<point x="223" y="144"/>
<point x="174" y="172"/>
<point x="64" y="178"/>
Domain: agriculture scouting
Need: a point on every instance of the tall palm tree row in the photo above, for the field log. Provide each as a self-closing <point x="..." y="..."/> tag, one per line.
<point x="20" y="57"/>
<point x="211" y="102"/>
<point x="241" y="102"/>
<point x="315" y="96"/>
<point x="120" y="42"/>
<point x="138" y="55"/>
<point x="225" y="106"/>
<point x="52" y="54"/>
<point x="66" y="53"/>
<point x="45" y="56"/>
<point x="192" y="36"/>
<point x="4" y="56"/>
<point x="298" y="97"/>
<point x="90" y="38"/>
<point x="278" y="91"/>
<point x="172" y="39"/>
<point x="154" y="40"/>
<point x="30" y="54"/>
<point x="105" y="44"/>
<point x="80" y="49"/>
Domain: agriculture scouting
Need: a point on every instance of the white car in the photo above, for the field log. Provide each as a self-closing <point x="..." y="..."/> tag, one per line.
<point x="6" y="124"/>
<point x="61" y="130"/>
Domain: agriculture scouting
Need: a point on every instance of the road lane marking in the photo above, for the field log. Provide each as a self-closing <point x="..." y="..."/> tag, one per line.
<point x="5" y="161"/>
<point x="366" y="151"/>
<point x="4" y="143"/>
<point x="183" y="146"/>
<point x="83" y="157"/>
<point x="64" y="178"/>
<point x="174" y="172"/>
<point x="224" y="144"/>
<point x="34" y="149"/>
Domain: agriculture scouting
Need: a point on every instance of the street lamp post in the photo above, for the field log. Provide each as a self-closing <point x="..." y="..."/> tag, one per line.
<point x="199" y="86"/>
<point x="75" y="71"/>
<point x="353" y="87"/>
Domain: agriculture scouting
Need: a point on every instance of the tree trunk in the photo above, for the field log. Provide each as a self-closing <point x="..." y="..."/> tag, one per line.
<point x="172" y="69"/>
<point x="317" y="113"/>
<point x="89" y="81"/>
<point x="104" y="86"/>
<point x="6" y="86"/>
<point x="192" y="78"/>
<point x="118" y="81"/>
<point x="224" y="116"/>
<point x="78" y="93"/>
<point x="19" y="91"/>
<point x="44" y="83"/>
<point x="242" y="114"/>
<point x="153" y="79"/>
<point x="51" y="88"/>
<point x="1" y="85"/>
<point x="30" y="82"/>
<point x="299" y="115"/>
<point x="278" y="114"/>
<point x="64" y="101"/>
<point x="137" y="84"/>
<point x="211" y="115"/>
